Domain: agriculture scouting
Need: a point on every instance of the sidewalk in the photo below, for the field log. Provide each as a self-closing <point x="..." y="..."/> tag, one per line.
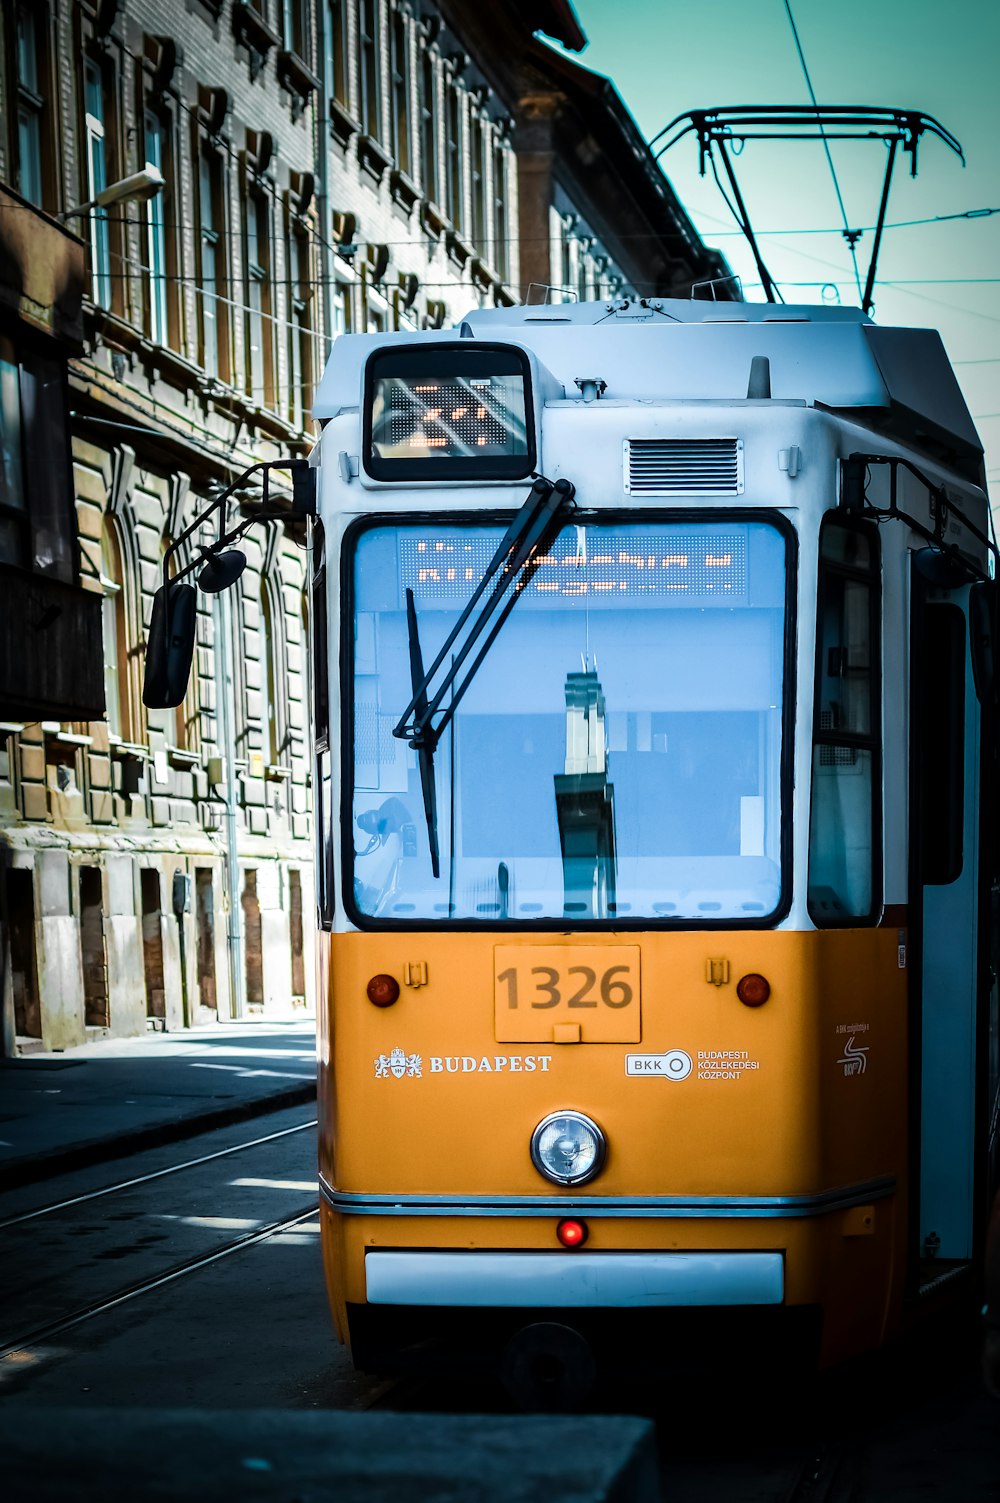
<point x="108" y="1099"/>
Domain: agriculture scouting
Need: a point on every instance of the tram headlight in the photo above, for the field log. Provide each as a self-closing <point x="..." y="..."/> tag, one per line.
<point x="568" y="1148"/>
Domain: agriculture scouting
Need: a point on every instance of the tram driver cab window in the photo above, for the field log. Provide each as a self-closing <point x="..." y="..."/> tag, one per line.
<point x="846" y="761"/>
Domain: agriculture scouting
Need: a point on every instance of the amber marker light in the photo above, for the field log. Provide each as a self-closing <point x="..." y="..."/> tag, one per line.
<point x="383" y="990"/>
<point x="572" y="1233"/>
<point x="753" y="990"/>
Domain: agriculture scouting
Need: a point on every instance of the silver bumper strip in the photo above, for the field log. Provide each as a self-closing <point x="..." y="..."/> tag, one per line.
<point x="574" y="1280"/>
<point x="685" y="1206"/>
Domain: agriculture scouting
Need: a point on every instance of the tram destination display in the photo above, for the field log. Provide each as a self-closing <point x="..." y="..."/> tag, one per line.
<point x="605" y="565"/>
<point x="449" y="413"/>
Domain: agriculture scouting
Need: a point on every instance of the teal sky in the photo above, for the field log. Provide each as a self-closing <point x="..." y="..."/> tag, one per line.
<point x="938" y="56"/>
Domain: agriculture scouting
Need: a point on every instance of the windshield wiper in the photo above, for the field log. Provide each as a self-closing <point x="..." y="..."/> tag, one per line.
<point x="425" y="754"/>
<point x="510" y="570"/>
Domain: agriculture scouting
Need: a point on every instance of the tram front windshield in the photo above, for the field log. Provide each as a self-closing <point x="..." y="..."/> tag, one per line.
<point x="616" y="756"/>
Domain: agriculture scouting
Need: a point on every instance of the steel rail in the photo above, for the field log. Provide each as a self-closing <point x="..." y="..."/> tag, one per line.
<point x="145" y="1286"/>
<point x="822" y="1478"/>
<point x="142" y="1179"/>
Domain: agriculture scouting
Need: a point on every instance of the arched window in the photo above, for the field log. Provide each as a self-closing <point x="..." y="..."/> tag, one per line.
<point x="116" y="688"/>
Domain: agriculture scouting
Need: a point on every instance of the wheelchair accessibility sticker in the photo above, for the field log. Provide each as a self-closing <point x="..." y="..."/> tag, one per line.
<point x="854" y="1059"/>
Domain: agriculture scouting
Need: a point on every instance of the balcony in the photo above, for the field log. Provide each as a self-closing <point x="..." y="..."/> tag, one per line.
<point x="41" y="270"/>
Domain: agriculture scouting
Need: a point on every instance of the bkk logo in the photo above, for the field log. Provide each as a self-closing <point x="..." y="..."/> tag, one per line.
<point x="675" y="1064"/>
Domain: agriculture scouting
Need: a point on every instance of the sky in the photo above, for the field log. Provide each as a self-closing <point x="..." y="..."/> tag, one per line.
<point x="938" y="56"/>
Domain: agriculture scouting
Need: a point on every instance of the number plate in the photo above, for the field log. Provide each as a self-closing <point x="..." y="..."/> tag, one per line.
<point x="566" y="994"/>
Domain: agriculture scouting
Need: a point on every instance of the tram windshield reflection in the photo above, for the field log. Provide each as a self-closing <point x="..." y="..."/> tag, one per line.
<point x="618" y="754"/>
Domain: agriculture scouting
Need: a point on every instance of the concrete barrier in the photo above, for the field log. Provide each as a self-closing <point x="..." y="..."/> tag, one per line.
<point x="282" y="1456"/>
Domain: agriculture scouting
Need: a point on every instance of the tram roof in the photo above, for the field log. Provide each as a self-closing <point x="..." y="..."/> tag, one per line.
<point x="898" y="381"/>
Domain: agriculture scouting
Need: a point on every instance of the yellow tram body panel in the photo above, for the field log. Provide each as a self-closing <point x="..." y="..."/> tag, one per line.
<point x="789" y="1101"/>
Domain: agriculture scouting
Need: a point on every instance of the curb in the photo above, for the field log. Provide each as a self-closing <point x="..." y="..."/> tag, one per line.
<point x="29" y="1171"/>
<point x="104" y="1455"/>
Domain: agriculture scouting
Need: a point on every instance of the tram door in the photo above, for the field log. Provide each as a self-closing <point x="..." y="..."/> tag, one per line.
<point x="945" y="757"/>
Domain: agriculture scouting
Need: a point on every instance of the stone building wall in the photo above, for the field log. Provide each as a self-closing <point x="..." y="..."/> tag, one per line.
<point x="328" y="165"/>
<point x="100" y="818"/>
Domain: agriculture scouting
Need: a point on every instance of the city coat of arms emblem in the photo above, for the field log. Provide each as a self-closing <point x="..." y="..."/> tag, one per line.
<point x="397" y="1064"/>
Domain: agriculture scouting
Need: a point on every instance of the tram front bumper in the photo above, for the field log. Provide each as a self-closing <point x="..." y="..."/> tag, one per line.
<point x="544" y="1280"/>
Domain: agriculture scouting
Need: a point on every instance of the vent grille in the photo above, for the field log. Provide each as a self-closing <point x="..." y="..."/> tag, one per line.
<point x="684" y="466"/>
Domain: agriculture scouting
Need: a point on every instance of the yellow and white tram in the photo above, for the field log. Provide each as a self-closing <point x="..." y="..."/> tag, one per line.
<point x="655" y="802"/>
<point x="654" y="714"/>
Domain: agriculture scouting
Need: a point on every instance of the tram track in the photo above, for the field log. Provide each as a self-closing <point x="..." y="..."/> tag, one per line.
<point x="822" y="1478"/>
<point x="141" y="1179"/>
<point x="45" y="1332"/>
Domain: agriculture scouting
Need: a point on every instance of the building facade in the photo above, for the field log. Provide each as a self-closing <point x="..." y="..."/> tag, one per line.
<point x="326" y="165"/>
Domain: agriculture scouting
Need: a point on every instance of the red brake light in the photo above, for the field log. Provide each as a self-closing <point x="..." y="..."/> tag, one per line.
<point x="383" y="990"/>
<point x="572" y="1233"/>
<point x="753" y="990"/>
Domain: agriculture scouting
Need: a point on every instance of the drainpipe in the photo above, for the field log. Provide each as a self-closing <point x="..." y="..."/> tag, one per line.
<point x="234" y="933"/>
<point x="323" y="180"/>
<point x="180" y="902"/>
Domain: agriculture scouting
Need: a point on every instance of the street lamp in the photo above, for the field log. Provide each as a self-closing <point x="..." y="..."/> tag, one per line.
<point x="137" y="188"/>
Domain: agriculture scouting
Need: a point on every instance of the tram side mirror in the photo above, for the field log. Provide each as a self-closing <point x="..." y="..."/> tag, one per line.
<point x="982" y="616"/>
<point x="945" y="570"/>
<point x="169" y="652"/>
<point x="303" y="489"/>
<point x="221" y="571"/>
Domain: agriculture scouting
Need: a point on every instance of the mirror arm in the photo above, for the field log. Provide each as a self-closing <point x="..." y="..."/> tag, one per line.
<point x="264" y="514"/>
<point x="221" y="542"/>
<point x="945" y="504"/>
<point x="303" y="504"/>
<point x="217" y="505"/>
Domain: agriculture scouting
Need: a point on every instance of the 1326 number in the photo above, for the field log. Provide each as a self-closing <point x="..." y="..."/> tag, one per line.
<point x="612" y="989"/>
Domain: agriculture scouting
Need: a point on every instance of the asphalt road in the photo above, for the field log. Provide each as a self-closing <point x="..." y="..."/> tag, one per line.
<point x="224" y="1308"/>
<point x="61" y="1111"/>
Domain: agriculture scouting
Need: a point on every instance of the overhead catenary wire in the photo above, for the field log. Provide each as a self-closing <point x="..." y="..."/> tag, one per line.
<point x="139" y="269"/>
<point x="901" y="282"/>
<point x="197" y="282"/>
<point x="265" y="186"/>
<point x="893" y="224"/>
<point x="939" y="302"/>
<point x="904" y="286"/>
<point x="906" y="291"/>
<point x="313" y="232"/>
<point x="849" y="235"/>
<point x="744" y="226"/>
<point x="434" y="242"/>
